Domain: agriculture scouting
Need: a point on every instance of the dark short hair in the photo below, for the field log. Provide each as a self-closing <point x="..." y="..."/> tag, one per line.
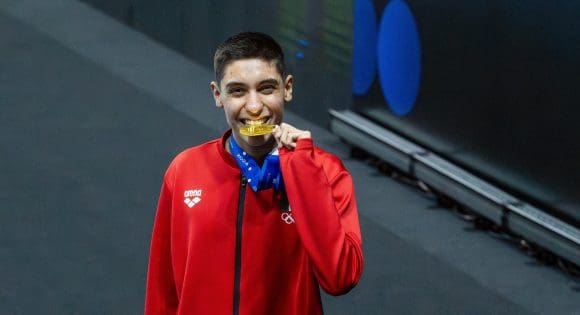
<point x="247" y="45"/>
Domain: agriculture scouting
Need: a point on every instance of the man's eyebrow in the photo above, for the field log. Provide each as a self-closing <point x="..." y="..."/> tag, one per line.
<point x="269" y="81"/>
<point x="234" y="83"/>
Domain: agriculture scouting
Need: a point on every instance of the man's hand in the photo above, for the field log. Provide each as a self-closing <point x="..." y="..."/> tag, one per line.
<point x="286" y="135"/>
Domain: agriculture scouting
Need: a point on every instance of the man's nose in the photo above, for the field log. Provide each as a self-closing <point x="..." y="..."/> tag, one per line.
<point x="254" y="104"/>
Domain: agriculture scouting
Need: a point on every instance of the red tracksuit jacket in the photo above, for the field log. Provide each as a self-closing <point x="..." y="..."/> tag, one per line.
<point x="220" y="248"/>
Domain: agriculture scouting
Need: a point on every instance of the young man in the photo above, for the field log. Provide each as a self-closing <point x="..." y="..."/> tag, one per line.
<point x="253" y="224"/>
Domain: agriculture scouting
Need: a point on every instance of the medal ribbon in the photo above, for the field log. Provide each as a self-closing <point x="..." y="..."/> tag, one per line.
<point x="259" y="178"/>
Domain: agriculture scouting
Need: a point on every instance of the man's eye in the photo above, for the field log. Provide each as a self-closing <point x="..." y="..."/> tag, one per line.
<point x="268" y="89"/>
<point x="236" y="91"/>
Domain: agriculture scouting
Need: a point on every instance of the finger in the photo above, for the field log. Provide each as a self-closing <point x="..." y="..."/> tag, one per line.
<point x="277" y="133"/>
<point x="291" y="138"/>
<point x="287" y="135"/>
<point x="286" y="139"/>
<point x="294" y="136"/>
<point x="286" y="126"/>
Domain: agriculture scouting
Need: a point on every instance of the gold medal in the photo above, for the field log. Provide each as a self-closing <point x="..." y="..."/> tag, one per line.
<point x="256" y="130"/>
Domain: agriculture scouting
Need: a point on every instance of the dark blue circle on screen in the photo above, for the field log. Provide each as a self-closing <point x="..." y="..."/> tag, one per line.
<point x="399" y="57"/>
<point x="364" y="60"/>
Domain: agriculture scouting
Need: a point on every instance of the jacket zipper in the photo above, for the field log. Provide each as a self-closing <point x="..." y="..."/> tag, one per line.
<point x="238" y="263"/>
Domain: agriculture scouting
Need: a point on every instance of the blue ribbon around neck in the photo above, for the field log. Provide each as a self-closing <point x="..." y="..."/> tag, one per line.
<point x="259" y="178"/>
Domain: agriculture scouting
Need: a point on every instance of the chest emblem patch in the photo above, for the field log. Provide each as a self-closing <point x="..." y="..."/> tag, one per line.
<point x="192" y="197"/>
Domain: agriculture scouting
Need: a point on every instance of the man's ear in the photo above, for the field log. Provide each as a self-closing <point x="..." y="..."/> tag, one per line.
<point x="215" y="91"/>
<point x="288" y="83"/>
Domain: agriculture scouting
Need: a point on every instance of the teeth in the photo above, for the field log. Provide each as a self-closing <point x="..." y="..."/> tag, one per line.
<point x="254" y="122"/>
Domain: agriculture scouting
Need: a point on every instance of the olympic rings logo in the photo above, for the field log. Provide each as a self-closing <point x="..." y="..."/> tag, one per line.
<point x="287" y="218"/>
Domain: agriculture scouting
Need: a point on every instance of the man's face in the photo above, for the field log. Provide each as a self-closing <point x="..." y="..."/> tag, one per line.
<point x="252" y="89"/>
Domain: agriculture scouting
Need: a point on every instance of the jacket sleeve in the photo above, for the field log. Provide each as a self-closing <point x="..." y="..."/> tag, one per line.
<point x="161" y="295"/>
<point x="321" y="196"/>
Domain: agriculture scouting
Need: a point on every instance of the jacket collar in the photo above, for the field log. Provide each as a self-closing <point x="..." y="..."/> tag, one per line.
<point x="228" y="158"/>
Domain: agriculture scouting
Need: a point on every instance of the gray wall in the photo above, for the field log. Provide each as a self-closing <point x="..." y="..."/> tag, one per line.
<point x="316" y="36"/>
<point x="498" y="94"/>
